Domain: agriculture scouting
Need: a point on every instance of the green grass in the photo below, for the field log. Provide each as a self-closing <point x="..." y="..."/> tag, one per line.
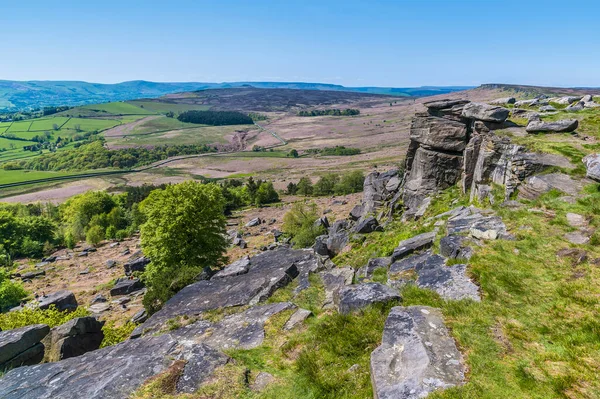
<point x="46" y="124"/>
<point x="18" y="144"/>
<point x="87" y="124"/>
<point x="164" y="107"/>
<point x="21" y="126"/>
<point x="117" y="108"/>
<point x="14" y="176"/>
<point x="161" y="124"/>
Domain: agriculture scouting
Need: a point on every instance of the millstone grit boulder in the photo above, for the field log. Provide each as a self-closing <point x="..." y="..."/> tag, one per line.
<point x="22" y="346"/>
<point x="485" y="112"/>
<point x="417" y="355"/>
<point x="62" y="300"/>
<point x="536" y="125"/>
<point x="357" y="296"/>
<point x="74" y="338"/>
<point x="592" y="164"/>
<point x="266" y="273"/>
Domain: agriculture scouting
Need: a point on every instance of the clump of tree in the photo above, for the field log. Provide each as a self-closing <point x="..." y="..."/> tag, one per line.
<point x="11" y="292"/>
<point x="256" y="117"/>
<point x="95" y="156"/>
<point x="339" y="150"/>
<point x="184" y="233"/>
<point x="215" y="118"/>
<point x="328" y="184"/>
<point x="332" y="112"/>
<point x="299" y="224"/>
<point x="253" y="192"/>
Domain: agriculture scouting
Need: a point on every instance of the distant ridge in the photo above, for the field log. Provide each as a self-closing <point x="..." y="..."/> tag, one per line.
<point x="27" y="95"/>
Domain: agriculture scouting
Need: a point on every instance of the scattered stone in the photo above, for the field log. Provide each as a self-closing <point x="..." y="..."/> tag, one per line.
<point x="373" y="265"/>
<point x="42" y="264"/>
<point x="577" y="238"/>
<point x="32" y="275"/>
<point x="333" y="281"/>
<point x="455" y="247"/>
<point x="367" y="225"/>
<point x="417" y="355"/>
<point x="62" y="300"/>
<point x="114" y="244"/>
<point x="320" y="246"/>
<point x="99" y="298"/>
<point x="568" y="100"/>
<point x="575" y="107"/>
<point x="592" y="164"/>
<point x="84" y="271"/>
<point x="576" y="220"/>
<point x="262" y="381"/>
<point x="98" y="308"/>
<point x="504" y="101"/>
<point x="240" y="266"/>
<point x="136" y="264"/>
<point x="357" y="296"/>
<point x="416" y="243"/>
<point x="535" y="186"/>
<point x="547" y="108"/>
<point x="577" y="255"/>
<point x="22" y="346"/>
<point x="338" y="237"/>
<point x="126" y="286"/>
<point x="254" y="222"/>
<point x="74" y="338"/>
<point x="296" y="319"/>
<point x="140" y="316"/>
<point x="539" y="126"/>
<point x="322" y="222"/>
<point x="110" y="263"/>
<point x="126" y="251"/>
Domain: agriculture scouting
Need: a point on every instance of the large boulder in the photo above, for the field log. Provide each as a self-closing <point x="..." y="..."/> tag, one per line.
<point x="358" y="296"/>
<point x="266" y="273"/>
<point x="485" y="112"/>
<point x="22" y="346"/>
<point x="417" y="355"/>
<point x="416" y="243"/>
<point x="367" y="225"/>
<point x="535" y="186"/>
<point x="539" y="126"/>
<point x="566" y="100"/>
<point x="504" y="101"/>
<point x="439" y="133"/>
<point x="238" y="267"/>
<point x="74" y="338"/>
<point x="126" y="286"/>
<point x="338" y="237"/>
<point x="62" y="300"/>
<point x="333" y="281"/>
<point x="137" y="264"/>
<point x="592" y="164"/>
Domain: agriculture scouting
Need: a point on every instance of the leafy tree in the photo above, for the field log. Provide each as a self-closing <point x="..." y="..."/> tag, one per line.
<point x="95" y="234"/>
<point x="299" y="223"/>
<point x="183" y="234"/>
<point x="305" y="187"/>
<point x="293" y="153"/>
<point x="325" y="185"/>
<point x="292" y="188"/>
<point x="11" y="293"/>
<point x="351" y="182"/>
<point x="215" y="118"/>
<point x="79" y="211"/>
<point x="266" y="194"/>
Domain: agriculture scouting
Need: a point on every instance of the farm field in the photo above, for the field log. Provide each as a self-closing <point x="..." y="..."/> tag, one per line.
<point x="13" y="176"/>
<point x="118" y="108"/>
<point x="161" y="124"/>
<point x="164" y="107"/>
<point x="87" y="124"/>
<point x="21" y="126"/>
<point x="47" y="124"/>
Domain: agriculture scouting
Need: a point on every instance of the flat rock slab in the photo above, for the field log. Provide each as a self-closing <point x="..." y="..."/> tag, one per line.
<point x="296" y="319"/>
<point x="63" y="300"/>
<point x="456" y="247"/>
<point x="240" y="266"/>
<point x="562" y="126"/>
<point x="416" y="243"/>
<point x="267" y="272"/>
<point x="430" y="271"/>
<point x="22" y="346"/>
<point x="416" y="357"/>
<point x="485" y="112"/>
<point x="592" y="165"/>
<point x="535" y="186"/>
<point x="577" y="238"/>
<point x="358" y="296"/>
<point x="126" y="286"/>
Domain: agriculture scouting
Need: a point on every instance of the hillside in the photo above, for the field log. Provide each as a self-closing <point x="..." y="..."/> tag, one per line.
<point x="25" y="95"/>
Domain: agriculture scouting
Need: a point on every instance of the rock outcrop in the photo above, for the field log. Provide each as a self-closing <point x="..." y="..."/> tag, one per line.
<point x="592" y="165"/>
<point x="74" y="338"/>
<point x="358" y="296"/>
<point x="536" y="125"/>
<point x="416" y="357"/>
<point x="22" y="346"/>
<point x="62" y="300"/>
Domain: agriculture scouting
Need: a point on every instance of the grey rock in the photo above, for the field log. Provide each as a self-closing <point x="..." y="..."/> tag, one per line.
<point x="136" y="264"/>
<point x="565" y="125"/>
<point x="375" y="193"/>
<point x="254" y="222"/>
<point x="417" y="355"/>
<point x="568" y="100"/>
<point x="535" y="186"/>
<point x="367" y="225"/>
<point x="296" y="319"/>
<point x="338" y="237"/>
<point x="547" y="108"/>
<point x="84" y="271"/>
<point x="32" y="275"/>
<point x="126" y="286"/>
<point x="22" y="346"/>
<point x="358" y="296"/>
<point x="98" y="308"/>
<point x="575" y="107"/>
<point x="320" y="246"/>
<point x="374" y="264"/>
<point x="62" y="300"/>
<point x="99" y="298"/>
<point x="240" y="266"/>
<point x="485" y="112"/>
<point x="416" y="243"/>
<point x="576" y="220"/>
<point x="322" y="222"/>
<point x="439" y="133"/>
<point x="74" y="338"/>
<point x="456" y="247"/>
<point x="444" y="104"/>
<point x="262" y="381"/>
<point x="268" y="272"/>
<point x="110" y="263"/>
<point x="140" y="316"/>
<point x="333" y="281"/>
<point x="577" y="238"/>
<point x="592" y="164"/>
<point x="504" y="101"/>
<point x="356" y="212"/>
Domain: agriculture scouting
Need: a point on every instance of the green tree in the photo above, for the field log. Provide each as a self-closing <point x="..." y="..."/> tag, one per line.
<point x="326" y="184"/>
<point x="266" y="194"/>
<point x="351" y="182"/>
<point x="293" y="153"/>
<point x="79" y="211"/>
<point x="10" y="292"/>
<point x="304" y="187"/>
<point x="184" y="233"/>
<point x="95" y="234"/>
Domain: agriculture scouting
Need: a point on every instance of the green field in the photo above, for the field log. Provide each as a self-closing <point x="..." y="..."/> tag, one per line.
<point x="87" y="124"/>
<point x="21" y="126"/>
<point x="14" y="176"/>
<point x="5" y="143"/>
<point x="164" y="107"/>
<point x="118" y="108"/>
<point x="47" y="124"/>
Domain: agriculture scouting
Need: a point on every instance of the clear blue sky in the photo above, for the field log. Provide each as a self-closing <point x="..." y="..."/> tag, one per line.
<point x="354" y="43"/>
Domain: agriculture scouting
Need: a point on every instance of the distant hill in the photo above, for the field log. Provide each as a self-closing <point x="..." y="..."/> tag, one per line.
<point x="27" y="95"/>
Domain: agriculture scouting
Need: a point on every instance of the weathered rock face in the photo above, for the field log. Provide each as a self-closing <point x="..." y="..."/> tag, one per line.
<point x="63" y="300"/>
<point x="379" y="191"/>
<point x="22" y="346"/>
<point x="416" y="243"/>
<point x="535" y="186"/>
<point x="358" y="296"/>
<point x="367" y="225"/>
<point x="539" y="126"/>
<point x="267" y="272"/>
<point x="338" y="237"/>
<point x="126" y="286"/>
<point x="592" y="164"/>
<point x="484" y="112"/>
<point x="137" y="264"/>
<point x="504" y="101"/>
<point x="416" y="356"/>
<point x="74" y="338"/>
<point x="333" y="281"/>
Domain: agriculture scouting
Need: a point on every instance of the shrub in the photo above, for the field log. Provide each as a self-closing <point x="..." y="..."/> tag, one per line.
<point x="299" y="223"/>
<point x="94" y="235"/>
<point x="304" y="187"/>
<point x="11" y="293"/>
<point x="114" y="334"/>
<point x="52" y="317"/>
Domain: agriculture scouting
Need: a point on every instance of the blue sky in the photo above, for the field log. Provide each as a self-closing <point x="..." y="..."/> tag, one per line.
<point x="354" y="43"/>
